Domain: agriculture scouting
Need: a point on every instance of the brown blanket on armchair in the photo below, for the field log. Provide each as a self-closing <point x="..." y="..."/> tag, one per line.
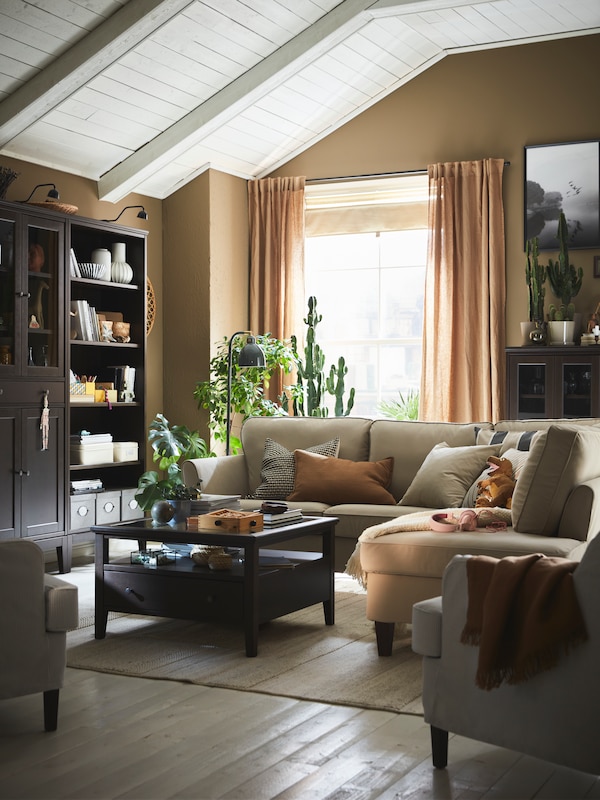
<point x="522" y="613"/>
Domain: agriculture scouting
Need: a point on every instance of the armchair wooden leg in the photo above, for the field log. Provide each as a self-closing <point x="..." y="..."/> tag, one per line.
<point x="439" y="747"/>
<point x="51" y="709"/>
<point x="384" y="632"/>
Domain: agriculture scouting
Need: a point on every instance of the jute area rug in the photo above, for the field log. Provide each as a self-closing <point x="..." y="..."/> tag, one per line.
<point x="298" y="656"/>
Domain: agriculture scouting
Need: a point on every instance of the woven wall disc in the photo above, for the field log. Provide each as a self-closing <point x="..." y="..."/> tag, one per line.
<point x="150" y="306"/>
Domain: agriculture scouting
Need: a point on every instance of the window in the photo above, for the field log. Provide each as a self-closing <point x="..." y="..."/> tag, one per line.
<point x="369" y="284"/>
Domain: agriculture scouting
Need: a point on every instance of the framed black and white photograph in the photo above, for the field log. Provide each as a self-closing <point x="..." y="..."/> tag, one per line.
<point x="563" y="177"/>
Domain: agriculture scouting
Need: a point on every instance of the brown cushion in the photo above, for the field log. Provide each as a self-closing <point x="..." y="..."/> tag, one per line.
<point x="322" y="479"/>
<point x="561" y="458"/>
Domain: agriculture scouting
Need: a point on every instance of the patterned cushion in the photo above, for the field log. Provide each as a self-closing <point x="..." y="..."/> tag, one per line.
<point x="278" y="472"/>
<point x="517" y="440"/>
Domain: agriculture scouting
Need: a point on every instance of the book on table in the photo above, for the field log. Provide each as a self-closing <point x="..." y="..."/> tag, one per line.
<point x="291" y="515"/>
<point x="212" y="502"/>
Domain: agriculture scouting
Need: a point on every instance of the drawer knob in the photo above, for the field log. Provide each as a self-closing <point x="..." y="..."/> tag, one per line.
<point x="83" y="511"/>
<point x="129" y="590"/>
<point x="108" y="507"/>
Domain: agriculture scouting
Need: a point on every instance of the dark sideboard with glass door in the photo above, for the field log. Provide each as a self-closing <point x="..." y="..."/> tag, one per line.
<point x="40" y="352"/>
<point x="548" y="382"/>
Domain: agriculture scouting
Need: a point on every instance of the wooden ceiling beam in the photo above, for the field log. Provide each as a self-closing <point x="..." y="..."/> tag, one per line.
<point x="122" y="31"/>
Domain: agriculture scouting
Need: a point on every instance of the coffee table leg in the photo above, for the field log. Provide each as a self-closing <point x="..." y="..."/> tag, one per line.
<point x="251" y="599"/>
<point x="328" y="549"/>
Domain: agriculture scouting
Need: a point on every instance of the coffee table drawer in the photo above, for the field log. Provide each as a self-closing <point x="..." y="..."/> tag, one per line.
<point x="172" y="596"/>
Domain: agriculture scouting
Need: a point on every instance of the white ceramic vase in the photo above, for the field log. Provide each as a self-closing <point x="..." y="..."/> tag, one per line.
<point x="120" y="270"/>
<point x="103" y="256"/>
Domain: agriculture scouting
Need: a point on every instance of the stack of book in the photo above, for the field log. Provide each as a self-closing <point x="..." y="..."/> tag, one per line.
<point x="212" y="502"/>
<point x="84" y="486"/>
<point x="285" y="518"/>
<point x="91" y="438"/>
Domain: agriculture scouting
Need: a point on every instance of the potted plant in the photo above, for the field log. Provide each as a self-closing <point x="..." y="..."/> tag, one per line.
<point x="565" y="282"/>
<point x="172" y="444"/>
<point x="535" y="275"/>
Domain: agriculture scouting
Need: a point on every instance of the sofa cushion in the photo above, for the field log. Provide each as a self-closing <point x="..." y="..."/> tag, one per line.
<point x="278" y="468"/>
<point x="446" y="474"/>
<point x="508" y="440"/>
<point x="517" y="458"/>
<point x="561" y="458"/>
<point x="339" y="480"/>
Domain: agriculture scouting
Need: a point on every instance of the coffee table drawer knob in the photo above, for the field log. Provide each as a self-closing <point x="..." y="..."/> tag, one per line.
<point x="129" y="590"/>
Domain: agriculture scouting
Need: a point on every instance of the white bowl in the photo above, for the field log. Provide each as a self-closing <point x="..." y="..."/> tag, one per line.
<point x="90" y="270"/>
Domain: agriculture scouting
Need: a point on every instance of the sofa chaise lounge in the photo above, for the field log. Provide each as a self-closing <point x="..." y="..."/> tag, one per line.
<point x="369" y="474"/>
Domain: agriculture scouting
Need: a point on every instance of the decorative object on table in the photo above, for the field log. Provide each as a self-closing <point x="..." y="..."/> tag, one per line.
<point x="563" y="178"/>
<point x="565" y="282"/>
<point x="93" y="270"/>
<point x="36" y="305"/>
<point x="220" y="561"/>
<point x="106" y="326"/>
<point x="535" y="276"/>
<point x="171" y="446"/>
<point x="227" y="520"/>
<point x="52" y="200"/>
<point x="120" y="271"/>
<point x="251" y="355"/>
<point x="201" y="553"/>
<point x="141" y="214"/>
<point x="539" y="334"/>
<point x="7" y="176"/>
<point x="162" y="512"/>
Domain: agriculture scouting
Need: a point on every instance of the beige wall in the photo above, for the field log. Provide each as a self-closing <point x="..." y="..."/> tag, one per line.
<point x="476" y="105"/>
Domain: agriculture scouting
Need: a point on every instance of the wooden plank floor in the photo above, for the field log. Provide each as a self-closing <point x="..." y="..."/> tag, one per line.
<point x="121" y="737"/>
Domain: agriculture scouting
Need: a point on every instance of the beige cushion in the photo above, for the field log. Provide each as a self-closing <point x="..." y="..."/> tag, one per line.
<point x="561" y="458"/>
<point x="446" y="474"/>
<point x="339" y="480"/>
<point x="277" y="473"/>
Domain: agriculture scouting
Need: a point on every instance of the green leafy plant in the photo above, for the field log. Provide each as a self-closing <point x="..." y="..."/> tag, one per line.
<point x="565" y="280"/>
<point x="172" y="444"/>
<point x="307" y="394"/>
<point x="406" y="407"/>
<point x="248" y="385"/>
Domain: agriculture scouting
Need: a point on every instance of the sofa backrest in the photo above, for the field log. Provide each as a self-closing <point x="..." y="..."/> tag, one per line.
<point x="298" y="433"/>
<point x="410" y="441"/>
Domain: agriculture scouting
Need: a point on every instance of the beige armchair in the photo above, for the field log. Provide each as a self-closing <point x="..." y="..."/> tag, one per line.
<point x="36" y="610"/>
<point x="552" y="716"/>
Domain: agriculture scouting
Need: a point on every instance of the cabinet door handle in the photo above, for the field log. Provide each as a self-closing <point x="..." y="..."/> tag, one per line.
<point x="23" y="473"/>
<point x="23" y="294"/>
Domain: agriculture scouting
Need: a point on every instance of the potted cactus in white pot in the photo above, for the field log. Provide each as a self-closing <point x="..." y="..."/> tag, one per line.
<point x="565" y="282"/>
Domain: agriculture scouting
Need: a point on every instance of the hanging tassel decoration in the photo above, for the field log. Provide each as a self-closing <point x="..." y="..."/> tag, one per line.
<point x="45" y="423"/>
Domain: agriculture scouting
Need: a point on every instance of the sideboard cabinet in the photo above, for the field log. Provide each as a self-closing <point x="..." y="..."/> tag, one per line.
<point x="548" y="382"/>
<point x="41" y="351"/>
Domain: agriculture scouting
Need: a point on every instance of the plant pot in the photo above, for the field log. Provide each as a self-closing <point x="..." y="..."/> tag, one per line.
<point x="561" y="333"/>
<point x="183" y="510"/>
<point x="526" y="329"/>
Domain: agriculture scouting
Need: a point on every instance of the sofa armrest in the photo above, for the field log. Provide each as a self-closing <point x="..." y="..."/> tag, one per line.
<point x="427" y="627"/>
<point x="220" y="475"/>
<point x="581" y="514"/>
<point x="62" y="607"/>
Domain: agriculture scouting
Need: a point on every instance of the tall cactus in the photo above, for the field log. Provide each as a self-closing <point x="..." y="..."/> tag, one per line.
<point x="535" y="274"/>
<point x="311" y="384"/>
<point x="565" y="280"/>
<point x="336" y="386"/>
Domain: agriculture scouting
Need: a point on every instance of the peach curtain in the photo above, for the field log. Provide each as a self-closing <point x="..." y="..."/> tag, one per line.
<point x="463" y="370"/>
<point x="276" y="209"/>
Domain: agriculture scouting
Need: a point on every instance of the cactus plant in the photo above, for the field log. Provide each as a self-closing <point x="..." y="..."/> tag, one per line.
<point x="565" y="280"/>
<point x="311" y="383"/>
<point x="535" y="275"/>
<point x="561" y="313"/>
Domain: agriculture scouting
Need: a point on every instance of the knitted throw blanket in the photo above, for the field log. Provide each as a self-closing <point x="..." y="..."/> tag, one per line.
<point x="417" y="521"/>
<point x="522" y="613"/>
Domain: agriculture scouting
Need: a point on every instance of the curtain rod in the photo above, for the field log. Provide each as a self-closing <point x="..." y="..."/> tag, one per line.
<point x="343" y="178"/>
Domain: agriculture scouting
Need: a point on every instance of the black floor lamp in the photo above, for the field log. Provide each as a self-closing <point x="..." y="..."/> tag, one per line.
<point x="251" y="355"/>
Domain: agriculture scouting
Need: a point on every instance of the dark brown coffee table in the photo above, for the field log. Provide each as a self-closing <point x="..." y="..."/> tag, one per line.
<point x="248" y="594"/>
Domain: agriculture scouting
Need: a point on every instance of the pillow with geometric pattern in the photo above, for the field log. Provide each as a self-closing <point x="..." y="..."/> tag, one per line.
<point x="277" y="472"/>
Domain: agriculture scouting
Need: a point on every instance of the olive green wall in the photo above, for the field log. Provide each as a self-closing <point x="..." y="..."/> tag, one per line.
<point x="477" y="105"/>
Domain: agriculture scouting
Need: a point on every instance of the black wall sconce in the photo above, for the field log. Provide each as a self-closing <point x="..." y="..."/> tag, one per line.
<point x="52" y="194"/>
<point x="141" y="214"/>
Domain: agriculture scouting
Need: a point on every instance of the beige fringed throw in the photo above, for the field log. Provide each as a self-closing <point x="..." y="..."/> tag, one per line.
<point x="417" y="521"/>
<point x="522" y="613"/>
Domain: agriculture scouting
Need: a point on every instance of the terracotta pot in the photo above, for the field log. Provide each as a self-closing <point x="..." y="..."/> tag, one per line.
<point x="36" y="258"/>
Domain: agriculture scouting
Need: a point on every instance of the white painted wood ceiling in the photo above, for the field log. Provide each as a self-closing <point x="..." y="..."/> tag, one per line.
<point x="144" y="95"/>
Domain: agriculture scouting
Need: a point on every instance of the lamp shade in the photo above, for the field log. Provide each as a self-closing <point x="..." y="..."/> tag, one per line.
<point x="251" y="354"/>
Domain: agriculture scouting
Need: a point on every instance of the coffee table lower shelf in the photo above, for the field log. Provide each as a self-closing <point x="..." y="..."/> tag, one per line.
<point x="247" y="594"/>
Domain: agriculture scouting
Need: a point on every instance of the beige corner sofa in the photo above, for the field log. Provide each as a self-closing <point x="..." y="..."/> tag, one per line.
<point x="556" y="504"/>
